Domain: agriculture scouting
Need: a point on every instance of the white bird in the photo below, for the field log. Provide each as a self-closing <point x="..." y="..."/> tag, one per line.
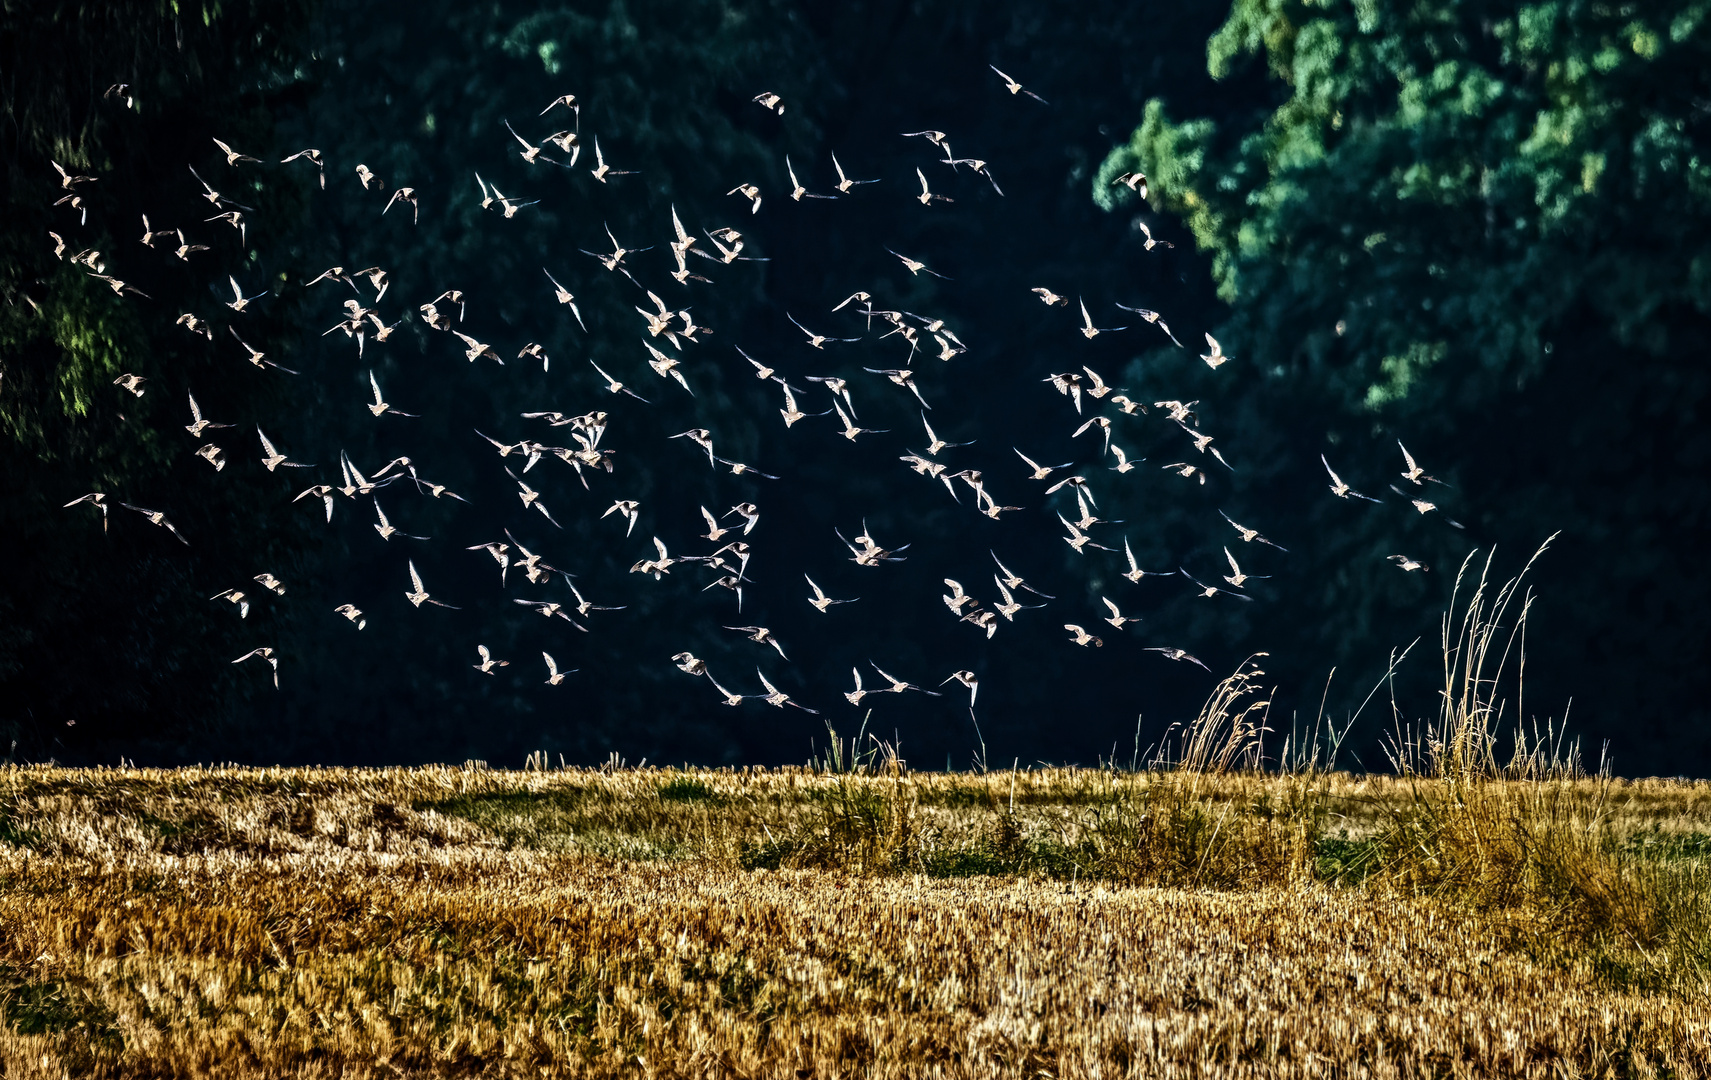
<point x="565" y="297"/>
<point x="1340" y="489"/>
<point x="273" y="459"/>
<point x="731" y="699"/>
<point x="239" y="301"/>
<point x="1415" y="473"/>
<point x="198" y="425"/>
<point x="1117" y="618"/>
<point x="854" y="696"/>
<point x="821" y="601"/>
<point x="1216" y="357"/>
<point x="1425" y="507"/>
<point x="818" y="341"/>
<point x="554" y="675"/>
<point x="969" y="680"/>
<point x="666" y="367"/>
<point x="353" y="613"/>
<point x="602" y="170"/>
<point x="380" y="406"/>
<point x="1017" y="88"/>
<point x="761" y="635"/>
<point x="266" y="654"/>
<point x="1406" y="563"/>
<point x="1235" y="576"/>
<point x="844" y="182"/>
<point x="419" y="594"/>
<point x="700" y="437"/>
<point x="566" y="100"/>
<point x="1134" y="181"/>
<point x="322" y="491"/>
<point x="487" y="662"/>
<point x="614" y="386"/>
<point x="1135" y="573"/>
<point x="1088" y="330"/>
<point x="1178" y="654"/>
<point x="898" y="686"/>
<point x="1082" y="637"/>
<point x="156" y="517"/>
<point x="1148" y="233"/>
<point x="927" y="197"/>
<point x="1014" y="580"/>
<point x="749" y="192"/>
<point x="1209" y="591"/>
<point x="1250" y="535"/>
<point x="749" y="512"/>
<point x="1153" y="317"/>
<point x="797" y="191"/>
<point x="1040" y="472"/>
<point x="777" y="698"/>
<point x="408" y="194"/>
<point x="934" y="443"/>
<point x="1011" y="605"/>
<point x="916" y="266"/>
<point x="386" y="529"/>
<point x="626" y="508"/>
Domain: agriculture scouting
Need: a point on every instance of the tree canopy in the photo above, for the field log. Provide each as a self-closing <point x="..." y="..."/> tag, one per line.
<point x="1485" y="229"/>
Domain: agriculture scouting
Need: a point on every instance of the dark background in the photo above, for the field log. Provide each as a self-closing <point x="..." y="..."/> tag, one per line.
<point x="1536" y="337"/>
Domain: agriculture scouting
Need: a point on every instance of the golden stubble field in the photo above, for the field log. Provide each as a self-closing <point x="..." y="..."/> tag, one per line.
<point x="807" y="922"/>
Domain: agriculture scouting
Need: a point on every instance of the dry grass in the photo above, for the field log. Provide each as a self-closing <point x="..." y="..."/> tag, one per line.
<point x="451" y="921"/>
<point x="1469" y="916"/>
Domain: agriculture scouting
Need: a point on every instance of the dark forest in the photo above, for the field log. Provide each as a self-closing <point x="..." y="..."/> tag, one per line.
<point x="1481" y="232"/>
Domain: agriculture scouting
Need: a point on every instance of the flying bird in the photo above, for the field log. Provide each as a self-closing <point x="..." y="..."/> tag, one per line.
<point x="1082" y="637"/>
<point x="554" y="675"/>
<point x="1414" y="472"/>
<point x="419" y="594"/>
<point x="155" y="517"/>
<point x="820" y="601"/>
<point x="1134" y="181"/>
<point x="844" y="182"/>
<point x="1178" y="654"/>
<point x="1153" y="317"/>
<point x="1216" y="357"/>
<point x="1340" y="489"/>
<point x="915" y="266"/>
<point x="264" y="653"/>
<point x="1017" y="88"/>
<point x="1250" y="535"/>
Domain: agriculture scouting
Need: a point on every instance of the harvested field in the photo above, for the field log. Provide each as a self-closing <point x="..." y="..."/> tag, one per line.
<point x="466" y="921"/>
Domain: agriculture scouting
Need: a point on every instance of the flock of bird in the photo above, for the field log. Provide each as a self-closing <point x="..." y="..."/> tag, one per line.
<point x="668" y="333"/>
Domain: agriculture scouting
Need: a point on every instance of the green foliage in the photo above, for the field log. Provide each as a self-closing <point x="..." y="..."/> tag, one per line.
<point x="1460" y="173"/>
<point x="1483" y="229"/>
